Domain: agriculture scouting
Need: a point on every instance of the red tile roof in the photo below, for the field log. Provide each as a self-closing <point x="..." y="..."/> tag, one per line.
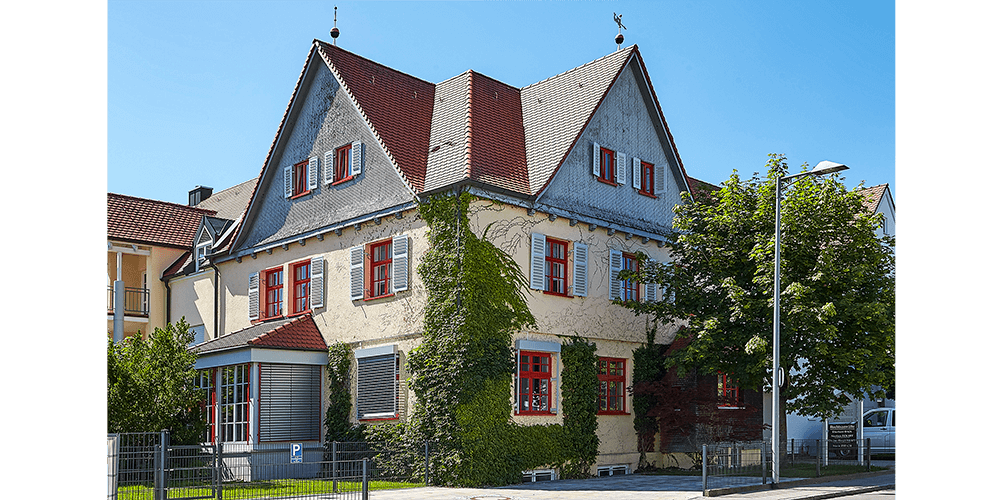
<point x="398" y="107"/>
<point x="872" y="196"/>
<point x="495" y="151"/>
<point x="152" y="222"/>
<point x="301" y="334"/>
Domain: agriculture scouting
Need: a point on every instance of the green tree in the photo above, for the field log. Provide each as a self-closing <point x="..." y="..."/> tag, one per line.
<point x="837" y="294"/>
<point x="151" y="385"/>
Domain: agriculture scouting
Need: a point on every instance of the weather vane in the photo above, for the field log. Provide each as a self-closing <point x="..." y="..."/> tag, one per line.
<point x="335" y="32"/>
<point x="620" y="38"/>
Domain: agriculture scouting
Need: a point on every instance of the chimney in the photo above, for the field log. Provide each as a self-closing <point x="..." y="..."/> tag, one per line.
<point x="198" y="195"/>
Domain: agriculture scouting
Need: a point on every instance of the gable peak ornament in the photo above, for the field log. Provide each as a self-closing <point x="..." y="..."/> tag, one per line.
<point x="334" y="32"/>
<point x="620" y="38"/>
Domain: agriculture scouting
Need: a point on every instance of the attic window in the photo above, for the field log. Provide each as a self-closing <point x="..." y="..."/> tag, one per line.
<point x="201" y="255"/>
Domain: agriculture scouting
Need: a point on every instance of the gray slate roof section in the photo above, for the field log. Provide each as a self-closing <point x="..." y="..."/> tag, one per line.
<point x="238" y="339"/>
<point x="230" y="202"/>
<point x="556" y="109"/>
<point x="446" y="160"/>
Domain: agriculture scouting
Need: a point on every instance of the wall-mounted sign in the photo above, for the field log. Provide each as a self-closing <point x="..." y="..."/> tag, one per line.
<point x="296" y="449"/>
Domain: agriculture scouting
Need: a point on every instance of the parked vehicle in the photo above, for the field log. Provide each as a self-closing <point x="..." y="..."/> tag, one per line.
<point x="880" y="426"/>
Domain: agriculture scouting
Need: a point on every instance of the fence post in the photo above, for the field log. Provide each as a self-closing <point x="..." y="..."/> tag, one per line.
<point x="793" y="452"/>
<point x="333" y="448"/>
<point x="159" y="467"/>
<point x="704" y="470"/>
<point x="427" y="463"/>
<point x="818" y="453"/>
<point x="364" y="479"/>
<point x="763" y="462"/>
<point x="868" y="454"/>
<point x="218" y="470"/>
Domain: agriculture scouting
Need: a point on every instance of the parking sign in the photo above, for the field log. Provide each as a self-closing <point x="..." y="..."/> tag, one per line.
<point x="296" y="453"/>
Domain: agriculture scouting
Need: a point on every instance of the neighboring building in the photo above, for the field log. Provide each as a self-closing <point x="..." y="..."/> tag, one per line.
<point x="144" y="238"/>
<point x="879" y="199"/>
<point x="574" y="174"/>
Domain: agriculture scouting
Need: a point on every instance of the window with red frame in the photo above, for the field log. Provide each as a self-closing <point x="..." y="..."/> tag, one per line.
<point x="534" y="374"/>
<point x="234" y="404"/>
<point x="273" y="291"/>
<point x="300" y="178"/>
<point x="608" y="166"/>
<point x="205" y="383"/>
<point x="611" y="379"/>
<point x="380" y="269"/>
<point x="729" y="393"/>
<point x="631" y="287"/>
<point x="300" y="287"/>
<point x="343" y="165"/>
<point x="648" y="182"/>
<point x="555" y="266"/>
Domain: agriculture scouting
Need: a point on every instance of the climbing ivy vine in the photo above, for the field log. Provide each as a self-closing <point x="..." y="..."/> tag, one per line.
<point x="338" y="414"/>
<point x="580" y="392"/>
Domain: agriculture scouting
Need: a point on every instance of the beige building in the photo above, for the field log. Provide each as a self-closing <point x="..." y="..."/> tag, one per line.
<point x="574" y="175"/>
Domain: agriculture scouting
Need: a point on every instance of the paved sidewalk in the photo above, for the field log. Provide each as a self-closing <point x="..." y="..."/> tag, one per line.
<point x="638" y="487"/>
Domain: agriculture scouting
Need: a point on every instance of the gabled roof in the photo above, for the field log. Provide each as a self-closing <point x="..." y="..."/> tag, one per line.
<point x="873" y="196"/>
<point x="152" y="222"/>
<point x="230" y="203"/>
<point x="299" y="333"/>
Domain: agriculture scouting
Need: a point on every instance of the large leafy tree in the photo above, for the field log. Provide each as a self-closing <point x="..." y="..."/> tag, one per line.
<point x="151" y="385"/>
<point x="837" y="289"/>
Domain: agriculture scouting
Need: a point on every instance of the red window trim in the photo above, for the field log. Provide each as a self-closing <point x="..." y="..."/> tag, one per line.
<point x="647" y="173"/>
<point x="565" y="265"/>
<point x="295" y="297"/>
<point x="264" y="296"/>
<point x="724" y="388"/>
<point x="630" y="284"/>
<point x="608" y="171"/>
<point x="300" y="179"/>
<point x="605" y="377"/>
<point x="342" y="157"/>
<point x="370" y="265"/>
<point x="537" y="375"/>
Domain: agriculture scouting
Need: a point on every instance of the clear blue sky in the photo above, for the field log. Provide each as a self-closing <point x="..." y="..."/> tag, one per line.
<point x="196" y="89"/>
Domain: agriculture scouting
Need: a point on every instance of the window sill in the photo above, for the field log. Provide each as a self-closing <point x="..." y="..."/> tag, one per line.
<point x="610" y="183"/>
<point x="557" y="294"/>
<point x="300" y="195"/>
<point x="732" y="407"/>
<point x="536" y="414"/>
<point x="300" y="313"/>
<point x="613" y="413"/>
<point x="644" y="193"/>
<point x="268" y="318"/>
<point x="378" y="419"/>
<point x="379" y="297"/>
<point x="341" y="181"/>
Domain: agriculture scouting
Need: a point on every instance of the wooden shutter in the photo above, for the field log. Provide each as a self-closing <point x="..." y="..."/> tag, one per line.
<point x="615" y="286"/>
<point x="636" y="173"/>
<point x="620" y="167"/>
<point x="253" y="296"/>
<point x="289" y="171"/>
<point x="313" y="172"/>
<point x="660" y="178"/>
<point x="650" y="287"/>
<point x="400" y="263"/>
<point x="597" y="159"/>
<point x="357" y="273"/>
<point x="517" y="381"/>
<point x="553" y="384"/>
<point x="328" y="166"/>
<point x="537" y="270"/>
<point x="579" y="269"/>
<point x="357" y="157"/>
<point x="316" y="283"/>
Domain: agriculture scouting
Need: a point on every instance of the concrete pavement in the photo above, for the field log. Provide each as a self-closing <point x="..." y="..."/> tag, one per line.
<point x="646" y="487"/>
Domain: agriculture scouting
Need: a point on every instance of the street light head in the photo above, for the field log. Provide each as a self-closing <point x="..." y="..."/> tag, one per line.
<point x="827" y="167"/>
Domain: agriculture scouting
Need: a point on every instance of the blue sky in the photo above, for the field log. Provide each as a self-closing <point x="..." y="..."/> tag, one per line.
<point x="196" y="89"/>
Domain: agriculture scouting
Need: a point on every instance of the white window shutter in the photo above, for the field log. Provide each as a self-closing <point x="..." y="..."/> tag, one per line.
<point x="313" y="172"/>
<point x="579" y="269"/>
<point x="650" y="287"/>
<point x="357" y="273"/>
<point x="554" y="384"/>
<point x="288" y="181"/>
<point x="615" y="288"/>
<point x="357" y="157"/>
<point x="253" y="296"/>
<point x="400" y="263"/>
<point x="660" y="178"/>
<point x="328" y="167"/>
<point x="620" y="167"/>
<point x="537" y="271"/>
<point x="517" y="381"/>
<point x="316" y="282"/>
<point x="636" y="173"/>
<point x="597" y="159"/>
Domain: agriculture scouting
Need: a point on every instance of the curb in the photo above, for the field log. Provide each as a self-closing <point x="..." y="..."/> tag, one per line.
<point x="801" y="482"/>
<point x="844" y="493"/>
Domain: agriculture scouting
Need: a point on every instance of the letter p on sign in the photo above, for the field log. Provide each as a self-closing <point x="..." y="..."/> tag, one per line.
<point x="296" y="453"/>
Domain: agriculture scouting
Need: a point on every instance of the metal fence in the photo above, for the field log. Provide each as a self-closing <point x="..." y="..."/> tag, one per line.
<point x="728" y="465"/>
<point x="146" y="466"/>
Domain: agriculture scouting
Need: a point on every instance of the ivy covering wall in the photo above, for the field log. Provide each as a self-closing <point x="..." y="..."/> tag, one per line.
<point x="580" y="393"/>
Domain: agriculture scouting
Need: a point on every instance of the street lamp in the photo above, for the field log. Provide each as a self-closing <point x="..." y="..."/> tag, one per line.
<point x="822" y="168"/>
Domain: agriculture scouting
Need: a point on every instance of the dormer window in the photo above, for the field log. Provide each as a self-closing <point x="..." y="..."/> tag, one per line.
<point x="201" y="255"/>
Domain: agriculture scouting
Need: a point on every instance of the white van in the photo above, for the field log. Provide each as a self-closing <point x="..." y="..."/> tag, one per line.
<point x="880" y="427"/>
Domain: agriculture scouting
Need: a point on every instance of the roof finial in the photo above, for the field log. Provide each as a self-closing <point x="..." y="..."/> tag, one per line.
<point x="334" y="32"/>
<point x="620" y="38"/>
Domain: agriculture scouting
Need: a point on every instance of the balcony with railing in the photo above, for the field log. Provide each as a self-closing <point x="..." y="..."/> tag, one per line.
<point x="136" y="302"/>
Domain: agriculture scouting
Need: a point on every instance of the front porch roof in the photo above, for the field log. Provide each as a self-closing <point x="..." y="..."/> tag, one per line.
<point x="299" y="333"/>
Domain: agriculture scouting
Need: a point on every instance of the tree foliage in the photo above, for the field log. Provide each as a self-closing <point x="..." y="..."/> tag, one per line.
<point x="150" y="385"/>
<point x="837" y="289"/>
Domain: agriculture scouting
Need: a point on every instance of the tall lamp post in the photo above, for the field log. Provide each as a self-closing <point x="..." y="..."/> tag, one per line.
<point x="823" y="168"/>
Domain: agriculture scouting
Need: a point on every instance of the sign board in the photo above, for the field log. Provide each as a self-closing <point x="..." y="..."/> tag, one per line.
<point x="296" y="449"/>
<point x="843" y="436"/>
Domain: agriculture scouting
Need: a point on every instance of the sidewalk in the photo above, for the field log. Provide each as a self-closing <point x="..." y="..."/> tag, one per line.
<point x="643" y="487"/>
